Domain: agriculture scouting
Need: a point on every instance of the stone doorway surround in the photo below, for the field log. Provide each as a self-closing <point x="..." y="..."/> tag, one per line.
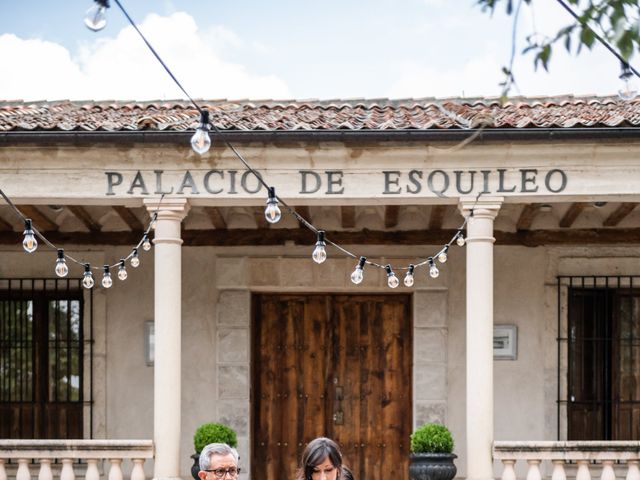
<point x="240" y="276"/>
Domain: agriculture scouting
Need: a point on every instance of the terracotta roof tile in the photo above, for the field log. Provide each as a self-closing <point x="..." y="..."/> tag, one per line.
<point x="354" y="114"/>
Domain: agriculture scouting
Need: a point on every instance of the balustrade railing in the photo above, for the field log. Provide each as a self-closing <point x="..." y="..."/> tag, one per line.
<point x="562" y="460"/>
<point x="68" y="459"/>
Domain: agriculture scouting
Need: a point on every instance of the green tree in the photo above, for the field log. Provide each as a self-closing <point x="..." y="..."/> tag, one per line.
<point x="614" y="21"/>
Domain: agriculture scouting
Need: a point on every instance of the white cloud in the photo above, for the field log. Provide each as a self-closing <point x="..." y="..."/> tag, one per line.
<point x="593" y="72"/>
<point x="435" y="3"/>
<point x="262" y="48"/>
<point x="31" y="69"/>
<point x="123" y="67"/>
<point x="221" y="37"/>
<point x="478" y="77"/>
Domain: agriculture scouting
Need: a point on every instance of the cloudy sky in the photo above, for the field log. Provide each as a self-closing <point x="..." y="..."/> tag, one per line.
<point x="247" y="49"/>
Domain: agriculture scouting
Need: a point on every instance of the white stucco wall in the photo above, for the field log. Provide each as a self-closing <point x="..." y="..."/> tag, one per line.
<point x="217" y="283"/>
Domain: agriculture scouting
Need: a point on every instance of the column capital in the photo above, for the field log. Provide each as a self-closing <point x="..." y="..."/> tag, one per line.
<point x="483" y="207"/>
<point x="170" y="212"/>
<point x="168" y="208"/>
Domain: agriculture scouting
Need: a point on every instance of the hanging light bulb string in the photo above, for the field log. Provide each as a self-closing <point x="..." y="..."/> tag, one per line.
<point x="428" y="260"/>
<point x="204" y="115"/>
<point x="45" y="240"/>
<point x="207" y="123"/>
<point x="155" y="54"/>
<point x="215" y="128"/>
<point x="201" y="144"/>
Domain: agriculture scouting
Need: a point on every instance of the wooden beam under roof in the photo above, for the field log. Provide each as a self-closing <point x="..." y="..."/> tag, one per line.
<point x="619" y="214"/>
<point x="348" y="213"/>
<point x="571" y="214"/>
<point x="40" y="221"/>
<point x="436" y="218"/>
<point x="82" y="215"/>
<point x="5" y="226"/>
<point x="528" y="214"/>
<point x="261" y="221"/>
<point x="303" y="211"/>
<point x="215" y="215"/>
<point x="304" y="236"/>
<point x="129" y="217"/>
<point x="391" y="216"/>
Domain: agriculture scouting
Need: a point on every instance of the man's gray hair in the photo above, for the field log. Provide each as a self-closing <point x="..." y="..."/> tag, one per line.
<point x="216" y="449"/>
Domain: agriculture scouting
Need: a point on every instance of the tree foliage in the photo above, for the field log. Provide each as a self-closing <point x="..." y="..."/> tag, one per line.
<point x="615" y="21"/>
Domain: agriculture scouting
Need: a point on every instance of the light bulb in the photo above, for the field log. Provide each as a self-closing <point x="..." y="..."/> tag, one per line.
<point x="201" y="142"/>
<point x="87" y="278"/>
<point x="135" y="259"/>
<point x="107" y="281"/>
<point x="319" y="254"/>
<point x="146" y="244"/>
<point x="61" y="269"/>
<point x="96" y="19"/>
<point x="122" y="270"/>
<point x="442" y="256"/>
<point x="29" y="243"/>
<point x="408" y="278"/>
<point x="629" y="90"/>
<point x="460" y="239"/>
<point x="433" y="270"/>
<point x="392" y="280"/>
<point x="358" y="275"/>
<point x="272" y="213"/>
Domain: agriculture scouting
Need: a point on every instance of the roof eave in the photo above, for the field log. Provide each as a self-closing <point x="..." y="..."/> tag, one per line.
<point x="274" y="136"/>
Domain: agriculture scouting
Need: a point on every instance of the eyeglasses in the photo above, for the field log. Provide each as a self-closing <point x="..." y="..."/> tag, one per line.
<point x="221" y="472"/>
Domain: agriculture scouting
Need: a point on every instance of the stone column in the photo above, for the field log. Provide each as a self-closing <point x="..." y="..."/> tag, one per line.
<point x="479" y="298"/>
<point x="168" y="320"/>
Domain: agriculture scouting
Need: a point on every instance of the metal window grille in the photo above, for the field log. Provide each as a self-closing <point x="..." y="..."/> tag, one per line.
<point x="598" y="348"/>
<point x="45" y="358"/>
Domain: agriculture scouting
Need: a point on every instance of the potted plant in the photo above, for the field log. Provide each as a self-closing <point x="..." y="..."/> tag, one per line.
<point x="432" y="453"/>
<point x="210" y="433"/>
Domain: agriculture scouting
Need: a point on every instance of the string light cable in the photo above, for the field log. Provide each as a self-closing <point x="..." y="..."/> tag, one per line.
<point x="30" y="244"/>
<point x="201" y="143"/>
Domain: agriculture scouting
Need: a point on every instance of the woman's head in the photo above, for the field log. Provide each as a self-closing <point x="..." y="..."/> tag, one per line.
<point x="321" y="460"/>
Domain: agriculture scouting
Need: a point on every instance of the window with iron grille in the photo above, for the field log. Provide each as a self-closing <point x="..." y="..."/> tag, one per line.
<point x="43" y="340"/>
<point x="599" y="321"/>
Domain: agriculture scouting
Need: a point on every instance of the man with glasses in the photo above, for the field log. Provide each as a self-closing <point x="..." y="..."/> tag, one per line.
<point x="218" y="461"/>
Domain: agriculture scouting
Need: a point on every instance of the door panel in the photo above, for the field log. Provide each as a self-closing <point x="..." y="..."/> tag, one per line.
<point x="604" y="364"/>
<point x="332" y="365"/>
<point x="626" y="372"/>
<point x="587" y="414"/>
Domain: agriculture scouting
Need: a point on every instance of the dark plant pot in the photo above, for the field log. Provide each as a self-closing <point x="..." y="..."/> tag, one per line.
<point x="432" y="466"/>
<point x="195" y="468"/>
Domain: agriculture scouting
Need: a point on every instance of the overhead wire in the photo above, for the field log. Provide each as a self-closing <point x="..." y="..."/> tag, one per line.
<point x="249" y="168"/>
<point x="598" y="37"/>
<point x="51" y="245"/>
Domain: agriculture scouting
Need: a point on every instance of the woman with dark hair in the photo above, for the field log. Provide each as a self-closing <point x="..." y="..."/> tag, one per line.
<point x="322" y="460"/>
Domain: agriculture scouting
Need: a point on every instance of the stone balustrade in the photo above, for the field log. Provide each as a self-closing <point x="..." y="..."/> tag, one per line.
<point x="562" y="460"/>
<point x="66" y="459"/>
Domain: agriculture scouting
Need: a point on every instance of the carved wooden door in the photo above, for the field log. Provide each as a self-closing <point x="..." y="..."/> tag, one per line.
<point x="336" y="366"/>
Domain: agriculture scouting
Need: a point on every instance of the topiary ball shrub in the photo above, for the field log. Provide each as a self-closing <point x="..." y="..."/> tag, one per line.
<point x="214" y="433"/>
<point x="432" y="438"/>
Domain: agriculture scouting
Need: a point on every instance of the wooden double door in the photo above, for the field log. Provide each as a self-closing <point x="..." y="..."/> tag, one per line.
<point x="336" y="366"/>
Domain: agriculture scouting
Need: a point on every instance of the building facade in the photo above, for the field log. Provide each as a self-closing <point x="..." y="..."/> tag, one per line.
<point x="530" y="332"/>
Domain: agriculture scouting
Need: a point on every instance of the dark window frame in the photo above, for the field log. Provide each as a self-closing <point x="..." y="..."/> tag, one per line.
<point x="606" y="296"/>
<point x="50" y="411"/>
